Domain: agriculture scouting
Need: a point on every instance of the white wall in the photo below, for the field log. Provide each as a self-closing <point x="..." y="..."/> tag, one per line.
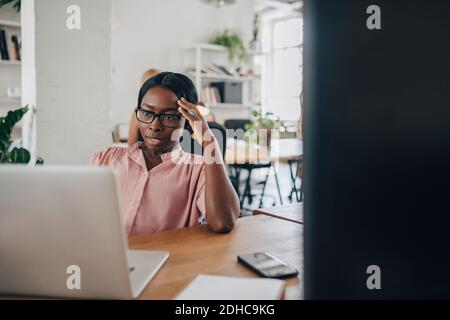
<point x="85" y="81"/>
<point x="71" y="87"/>
<point x="152" y="33"/>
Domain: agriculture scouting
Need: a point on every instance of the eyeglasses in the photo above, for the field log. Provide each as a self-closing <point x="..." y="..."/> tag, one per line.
<point x="167" y="120"/>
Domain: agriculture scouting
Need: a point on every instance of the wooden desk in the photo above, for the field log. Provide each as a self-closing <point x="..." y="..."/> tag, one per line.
<point x="239" y="152"/>
<point x="197" y="250"/>
<point x="291" y="212"/>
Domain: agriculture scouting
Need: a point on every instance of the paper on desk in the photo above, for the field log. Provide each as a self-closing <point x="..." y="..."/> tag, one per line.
<point x="206" y="287"/>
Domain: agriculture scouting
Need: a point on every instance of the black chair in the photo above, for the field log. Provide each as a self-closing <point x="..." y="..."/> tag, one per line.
<point x="236" y="169"/>
<point x="296" y="170"/>
<point x="220" y="134"/>
<point x="192" y="146"/>
<point x="235" y="125"/>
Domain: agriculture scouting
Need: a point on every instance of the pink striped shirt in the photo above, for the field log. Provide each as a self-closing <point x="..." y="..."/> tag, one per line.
<point x="169" y="196"/>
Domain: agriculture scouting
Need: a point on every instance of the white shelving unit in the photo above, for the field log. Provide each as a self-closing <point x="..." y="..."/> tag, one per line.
<point x="8" y="23"/>
<point x="220" y="78"/>
<point x="10" y="76"/>
<point x="10" y="101"/>
<point x="10" y="63"/>
<point x="10" y="71"/>
<point x="201" y="54"/>
<point x="232" y="106"/>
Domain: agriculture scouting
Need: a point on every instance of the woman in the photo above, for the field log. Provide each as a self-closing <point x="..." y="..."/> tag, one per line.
<point x="162" y="186"/>
<point x="133" y="132"/>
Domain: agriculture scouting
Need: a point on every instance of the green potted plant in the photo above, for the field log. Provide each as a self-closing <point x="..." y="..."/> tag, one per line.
<point x="8" y="154"/>
<point x="260" y="131"/>
<point x="16" y="3"/>
<point x="234" y="44"/>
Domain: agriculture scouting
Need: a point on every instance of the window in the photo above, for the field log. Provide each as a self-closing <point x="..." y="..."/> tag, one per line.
<point x="282" y="39"/>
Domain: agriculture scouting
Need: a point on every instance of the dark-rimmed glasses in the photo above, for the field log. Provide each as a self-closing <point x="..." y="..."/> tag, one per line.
<point x="166" y="119"/>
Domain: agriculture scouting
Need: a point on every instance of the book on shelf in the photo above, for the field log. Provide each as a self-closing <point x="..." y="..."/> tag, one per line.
<point x="17" y="44"/>
<point x="225" y="71"/>
<point x="10" y="45"/>
<point x="210" y="96"/>
<point x="215" y="70"/>
<point x="3" y="47"/>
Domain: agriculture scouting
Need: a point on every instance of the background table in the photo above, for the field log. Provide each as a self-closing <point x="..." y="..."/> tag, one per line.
<point x="291" y="212"/>
<point x="239" y="152"/>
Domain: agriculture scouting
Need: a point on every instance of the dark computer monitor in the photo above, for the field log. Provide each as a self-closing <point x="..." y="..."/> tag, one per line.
<point x="377" y="149"/>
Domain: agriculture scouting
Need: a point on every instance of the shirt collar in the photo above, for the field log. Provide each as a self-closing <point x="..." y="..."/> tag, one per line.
<point x="137" y="155"/>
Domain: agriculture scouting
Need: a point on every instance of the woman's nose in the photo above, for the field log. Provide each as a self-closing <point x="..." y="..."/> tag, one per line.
<point x="156" y="124"/>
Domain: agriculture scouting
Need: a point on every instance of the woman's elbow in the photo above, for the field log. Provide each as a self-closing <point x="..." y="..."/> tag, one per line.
<point x="223" y="226"/>
<point x="223" y="229"/>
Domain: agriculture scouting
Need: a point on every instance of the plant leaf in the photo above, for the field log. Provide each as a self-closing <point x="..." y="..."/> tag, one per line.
<point x="11" y="120"/>
<point x="39" y="161"/>
<point x="4" y="134"/>
<point x="248" y="127"/>
<point x="4" y="145"/>
<point x="234" y="44"/>
<point x="20" y="156"/>
<point x="16" y="3"/>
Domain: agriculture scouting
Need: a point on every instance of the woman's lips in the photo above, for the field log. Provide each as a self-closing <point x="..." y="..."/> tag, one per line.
<point x="155" y="139"/>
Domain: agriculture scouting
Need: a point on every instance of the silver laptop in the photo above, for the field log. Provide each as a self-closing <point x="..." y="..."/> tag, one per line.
<point x="61" y="236"/>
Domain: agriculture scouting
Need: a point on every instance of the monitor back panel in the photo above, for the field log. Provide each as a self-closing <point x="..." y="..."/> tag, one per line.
<point x="377" y="149"/>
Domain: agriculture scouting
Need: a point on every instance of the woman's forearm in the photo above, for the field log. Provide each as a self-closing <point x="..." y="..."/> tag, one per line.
<point x="221" y="200"/>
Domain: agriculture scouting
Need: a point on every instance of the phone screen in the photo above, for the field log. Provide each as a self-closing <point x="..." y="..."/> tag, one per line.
<point x="267" y="265"/>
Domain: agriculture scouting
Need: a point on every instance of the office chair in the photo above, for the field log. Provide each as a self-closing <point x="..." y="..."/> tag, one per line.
<point x="236" y="124"/>
<point x="192" y="146"/>
<point x="236" y="169"/>
<point x="296" y="171"/>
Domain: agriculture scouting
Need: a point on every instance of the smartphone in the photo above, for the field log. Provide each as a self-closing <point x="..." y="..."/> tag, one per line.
<point x="267" y="265"/>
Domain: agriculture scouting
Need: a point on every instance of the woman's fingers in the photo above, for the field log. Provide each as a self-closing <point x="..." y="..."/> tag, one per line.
<point x="187" y="105"/>
<point x="196" y="121"/>
<point x="195" y="134"/>
<point x="185" y="108"/>
<point x="186" y="115"/>
<point x="191" y="109"/>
